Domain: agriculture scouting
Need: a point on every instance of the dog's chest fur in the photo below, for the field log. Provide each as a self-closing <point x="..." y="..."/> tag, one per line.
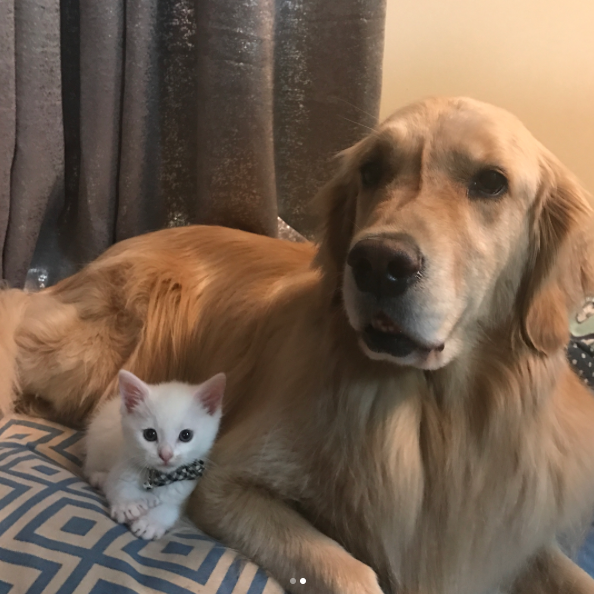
<point x="434" y="500"/>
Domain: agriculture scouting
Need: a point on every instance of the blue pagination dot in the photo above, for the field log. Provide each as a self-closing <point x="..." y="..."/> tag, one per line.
<point x="78" y="526"/>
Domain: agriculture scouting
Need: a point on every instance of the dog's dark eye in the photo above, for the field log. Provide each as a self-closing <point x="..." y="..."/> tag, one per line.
<point x="371" y="173"/>
<point x="488" y="183"/>
<point x="150" y="434"/>
<point x="186" y="435"/>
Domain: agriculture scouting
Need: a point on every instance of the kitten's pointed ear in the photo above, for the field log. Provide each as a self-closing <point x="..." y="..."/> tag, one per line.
<point x="132" y="389"/>
<point x="210" y="393"/>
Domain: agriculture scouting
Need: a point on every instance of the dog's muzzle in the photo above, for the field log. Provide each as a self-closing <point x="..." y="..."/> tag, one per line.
<point x="384" y="270"/>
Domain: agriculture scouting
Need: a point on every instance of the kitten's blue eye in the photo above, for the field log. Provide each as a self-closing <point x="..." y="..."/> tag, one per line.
<point x="150" y="434"/>
<point x="186" y="435"/>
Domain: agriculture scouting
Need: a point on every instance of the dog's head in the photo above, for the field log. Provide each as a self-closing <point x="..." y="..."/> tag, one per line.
<point x="448" y="220"/>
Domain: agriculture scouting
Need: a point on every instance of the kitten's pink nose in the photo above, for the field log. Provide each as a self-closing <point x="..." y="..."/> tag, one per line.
<point x="165" y="454"/>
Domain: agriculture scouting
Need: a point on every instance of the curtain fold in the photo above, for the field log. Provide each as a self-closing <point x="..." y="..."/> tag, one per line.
<point x="7" y="116"/>
<point x="37" y="160"/>
<point x="236" y="175"/>
<point x="327" y="91"/>
<point x="120" y="117"/>
<point x="94" y="203"/>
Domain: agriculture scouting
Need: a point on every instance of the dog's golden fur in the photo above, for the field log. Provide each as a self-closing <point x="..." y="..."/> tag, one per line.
<point x="451" y="472"/>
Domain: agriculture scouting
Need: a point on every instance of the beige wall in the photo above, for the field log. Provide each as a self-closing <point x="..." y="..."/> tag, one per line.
<point x="532" y="57"/>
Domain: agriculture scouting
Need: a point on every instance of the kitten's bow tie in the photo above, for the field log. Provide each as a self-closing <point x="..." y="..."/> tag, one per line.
<point x="187" y="472"/>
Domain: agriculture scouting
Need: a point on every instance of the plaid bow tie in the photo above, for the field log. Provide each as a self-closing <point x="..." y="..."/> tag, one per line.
<point x="187" y="472"/>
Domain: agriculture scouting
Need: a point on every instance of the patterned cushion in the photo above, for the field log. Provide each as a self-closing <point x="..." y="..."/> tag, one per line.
<point x="56" y="536"/>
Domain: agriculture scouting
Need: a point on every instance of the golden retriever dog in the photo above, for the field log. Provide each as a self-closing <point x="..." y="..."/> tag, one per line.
<point x="400" y="415"/>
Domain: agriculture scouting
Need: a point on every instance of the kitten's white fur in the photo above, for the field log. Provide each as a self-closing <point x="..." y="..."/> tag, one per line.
<point x="118" y="455"/>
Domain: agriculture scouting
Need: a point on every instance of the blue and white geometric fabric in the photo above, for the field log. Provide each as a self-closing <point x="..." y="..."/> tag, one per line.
<point x="56" y="536"/>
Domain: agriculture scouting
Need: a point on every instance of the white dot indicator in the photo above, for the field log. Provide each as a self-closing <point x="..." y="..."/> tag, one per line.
<point x="302" y="580"/>
<point x="293" y="580"/>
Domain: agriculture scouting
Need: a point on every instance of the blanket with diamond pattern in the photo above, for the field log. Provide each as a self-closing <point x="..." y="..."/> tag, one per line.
<point x="56" y="535"/>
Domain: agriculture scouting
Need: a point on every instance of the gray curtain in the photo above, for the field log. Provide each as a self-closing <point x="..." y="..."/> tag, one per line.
<point x="118" y="117"/>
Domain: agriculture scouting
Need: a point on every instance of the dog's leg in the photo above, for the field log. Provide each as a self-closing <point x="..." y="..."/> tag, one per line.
<point x="551" y="572"/>
<point x="276" y="537"/>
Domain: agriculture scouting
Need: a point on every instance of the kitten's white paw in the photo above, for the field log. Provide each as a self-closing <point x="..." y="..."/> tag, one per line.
<point x="147" y="528"/>
<point x="128" y="511"/>
<point x="97" y="480"/>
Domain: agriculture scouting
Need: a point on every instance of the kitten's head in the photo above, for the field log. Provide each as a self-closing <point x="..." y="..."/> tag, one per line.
<point x="171" y="424"/>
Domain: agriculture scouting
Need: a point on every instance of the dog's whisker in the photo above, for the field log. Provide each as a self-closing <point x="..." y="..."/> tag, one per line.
<point x="374" y="118"/>
<point x="357" y="123"/>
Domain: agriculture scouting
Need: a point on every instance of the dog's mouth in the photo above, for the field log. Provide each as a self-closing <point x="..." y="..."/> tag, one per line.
<point x="382" y="335"/>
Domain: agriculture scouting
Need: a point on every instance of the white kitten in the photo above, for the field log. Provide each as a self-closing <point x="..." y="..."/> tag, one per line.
<point x="137" y="444"/>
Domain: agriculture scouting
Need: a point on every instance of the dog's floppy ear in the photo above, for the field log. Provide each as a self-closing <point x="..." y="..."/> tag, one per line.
<point x="336" y="206"/>
<point x="559" y="272"/>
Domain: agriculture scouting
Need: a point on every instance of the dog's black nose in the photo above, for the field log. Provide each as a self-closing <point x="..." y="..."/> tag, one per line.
<point x="385" y="267"/>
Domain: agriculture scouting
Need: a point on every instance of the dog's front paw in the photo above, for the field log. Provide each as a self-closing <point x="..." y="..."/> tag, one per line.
<point x="339" y="573"/>
<point x="369" y="581"/>
<point x="148" y="528"/>
<point x="128" y="511"/>
<point x="360" y="579"/>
